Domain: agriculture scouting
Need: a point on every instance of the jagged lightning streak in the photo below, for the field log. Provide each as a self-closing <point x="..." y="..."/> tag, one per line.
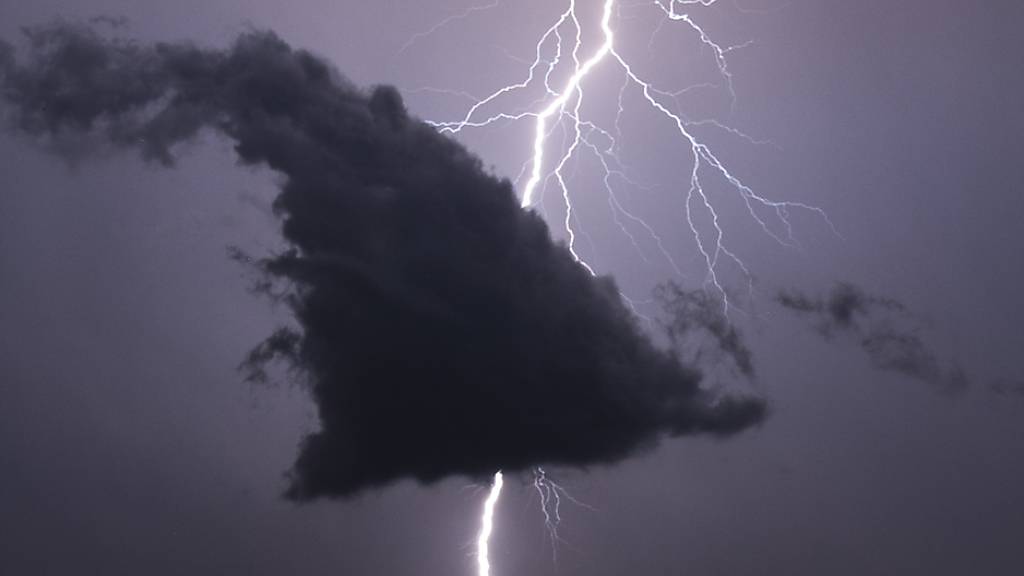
<point x="551" y="494"/>
<point x="483" y="559"/>
<point x="563" y="106"/>
<point x="461" y="15"/>
<point x="550" y="505"/>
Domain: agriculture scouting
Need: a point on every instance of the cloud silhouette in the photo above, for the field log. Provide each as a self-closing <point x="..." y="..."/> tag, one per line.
<point x="883" y="328"/>
<point x="695" y="317"/>
<point x="441" y="330"/>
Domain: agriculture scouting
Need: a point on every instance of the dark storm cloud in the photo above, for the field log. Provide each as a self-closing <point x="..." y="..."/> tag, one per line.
<point x="441" y="330"/>
<point x="883" y="328"/>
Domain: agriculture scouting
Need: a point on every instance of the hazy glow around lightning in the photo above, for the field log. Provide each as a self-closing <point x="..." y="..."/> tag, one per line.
<point x="486" y="527"/>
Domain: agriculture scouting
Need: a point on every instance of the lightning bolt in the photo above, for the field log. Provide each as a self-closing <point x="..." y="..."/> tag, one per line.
<point x="562" y="107"/>
<point x="551" y="494"/>
<point x="460" y="16"/>
<point x="483" y="540"/>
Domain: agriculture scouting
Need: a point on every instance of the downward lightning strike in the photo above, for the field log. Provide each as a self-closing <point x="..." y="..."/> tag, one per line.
<point x="483" y="559"/>
<point x="551" y="494"/>
<point x="564" y="105"/>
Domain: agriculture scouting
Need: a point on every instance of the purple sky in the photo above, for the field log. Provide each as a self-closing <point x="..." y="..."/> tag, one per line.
<point x="129" y="444"/>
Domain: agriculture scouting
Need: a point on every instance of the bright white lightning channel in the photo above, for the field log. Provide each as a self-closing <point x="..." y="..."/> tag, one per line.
<point x="551" y="494"/>
<point x="483" y="559"/>
<point x="562" y="107"/>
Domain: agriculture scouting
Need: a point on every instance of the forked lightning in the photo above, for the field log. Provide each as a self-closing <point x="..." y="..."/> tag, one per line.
<point x="560" y="50"/>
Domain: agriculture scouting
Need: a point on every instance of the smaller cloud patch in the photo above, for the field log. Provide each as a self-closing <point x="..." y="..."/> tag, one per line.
<point x="883" y="328"/>
<point x="695" y="319"/>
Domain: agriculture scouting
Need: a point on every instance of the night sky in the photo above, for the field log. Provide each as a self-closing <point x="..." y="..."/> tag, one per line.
<point x="130" y="442"/>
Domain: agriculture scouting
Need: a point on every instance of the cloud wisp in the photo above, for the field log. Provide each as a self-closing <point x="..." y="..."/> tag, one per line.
<point x="882" y="327"/>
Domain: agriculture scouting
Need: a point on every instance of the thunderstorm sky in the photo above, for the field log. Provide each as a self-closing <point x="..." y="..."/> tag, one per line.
<point x="131" y="445"/>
